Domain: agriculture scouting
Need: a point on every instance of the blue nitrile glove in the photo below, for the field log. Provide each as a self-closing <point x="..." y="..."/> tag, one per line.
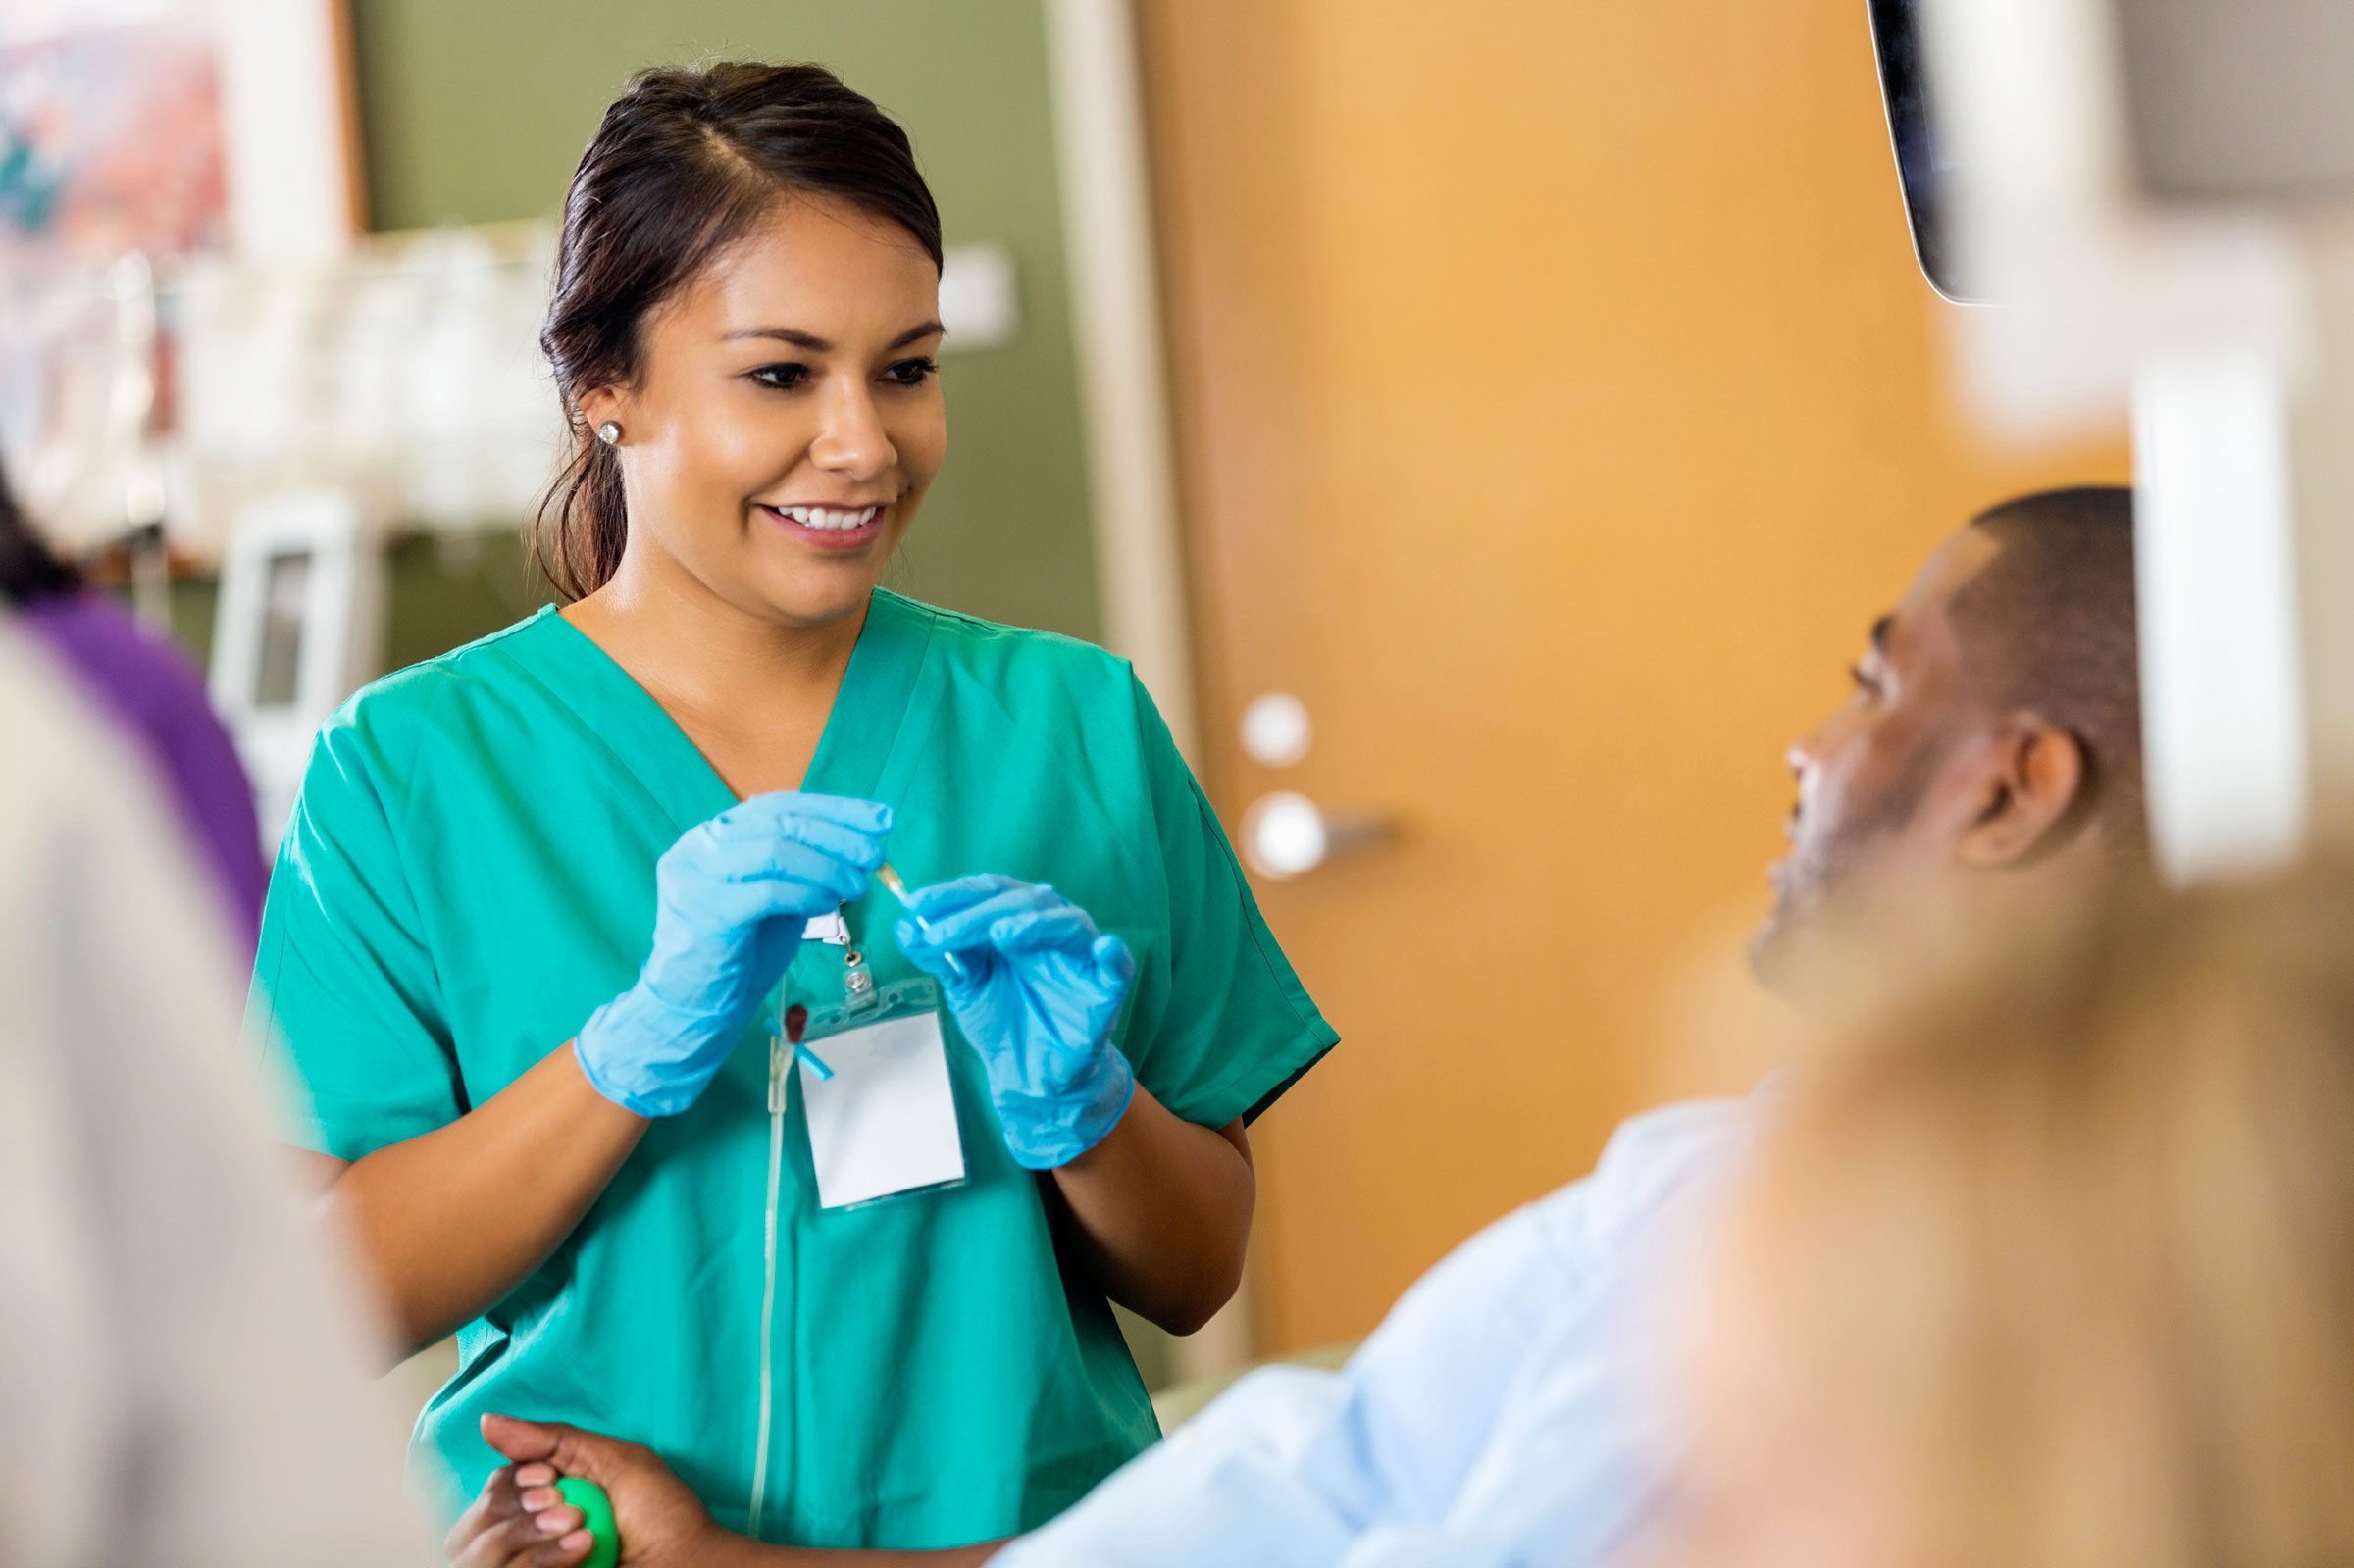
<point x="731" y="899"/>
<point x="1038" y="993"/>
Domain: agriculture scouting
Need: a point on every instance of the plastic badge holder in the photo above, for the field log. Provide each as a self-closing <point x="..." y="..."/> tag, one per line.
<point x="884" y="1126"/>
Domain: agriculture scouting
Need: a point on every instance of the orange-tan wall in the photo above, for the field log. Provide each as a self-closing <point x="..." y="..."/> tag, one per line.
<point x="1620" y="295"/>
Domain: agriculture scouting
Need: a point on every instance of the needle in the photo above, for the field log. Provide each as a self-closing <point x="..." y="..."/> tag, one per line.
<point x="890" y="878"/>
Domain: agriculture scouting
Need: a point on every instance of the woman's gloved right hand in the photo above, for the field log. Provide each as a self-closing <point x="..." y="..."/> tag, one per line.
<point x="732" y="897"/>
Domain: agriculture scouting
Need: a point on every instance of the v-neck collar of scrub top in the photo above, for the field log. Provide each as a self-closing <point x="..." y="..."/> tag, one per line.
<point x="872" y="736"/>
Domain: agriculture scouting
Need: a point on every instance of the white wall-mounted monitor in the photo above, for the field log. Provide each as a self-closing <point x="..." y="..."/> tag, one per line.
<point x="299" y="629"/>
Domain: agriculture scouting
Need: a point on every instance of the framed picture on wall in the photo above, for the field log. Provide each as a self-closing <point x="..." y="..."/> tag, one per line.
<point x="297" y="186"/>
<point x="112" y="135"/>
<point x="175" y="127"/>
<point x="139" y="139"/>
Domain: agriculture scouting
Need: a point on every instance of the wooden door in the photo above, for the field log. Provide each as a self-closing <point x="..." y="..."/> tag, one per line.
<point x="1558" y="403"/>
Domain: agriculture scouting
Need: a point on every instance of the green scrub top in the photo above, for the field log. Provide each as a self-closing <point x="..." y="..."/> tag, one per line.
<point x="469" y="873"/>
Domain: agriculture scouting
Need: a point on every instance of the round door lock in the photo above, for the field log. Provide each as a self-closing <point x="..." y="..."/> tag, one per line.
<point x="1276" y="729"/>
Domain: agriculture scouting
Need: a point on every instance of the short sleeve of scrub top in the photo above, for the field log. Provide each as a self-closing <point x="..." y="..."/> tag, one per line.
<point x="470" y="873"/>
<point x="342" y="954"/>
<point x="1221" y="1024"/>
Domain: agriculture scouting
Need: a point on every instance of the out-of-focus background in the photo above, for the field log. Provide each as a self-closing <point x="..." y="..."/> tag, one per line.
<point x="1516" y="412"/>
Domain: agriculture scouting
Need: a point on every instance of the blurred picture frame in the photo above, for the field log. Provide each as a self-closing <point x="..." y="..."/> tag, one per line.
<point x="140" y="140"/>
<point x="297" y="174"/>
<point x="177" y="128"/>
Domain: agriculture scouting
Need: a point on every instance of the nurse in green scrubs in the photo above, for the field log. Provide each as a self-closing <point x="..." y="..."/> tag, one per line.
<point x="544" y="899"/>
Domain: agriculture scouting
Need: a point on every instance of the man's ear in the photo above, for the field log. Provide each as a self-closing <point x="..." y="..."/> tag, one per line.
<point x="2036" y="782"/>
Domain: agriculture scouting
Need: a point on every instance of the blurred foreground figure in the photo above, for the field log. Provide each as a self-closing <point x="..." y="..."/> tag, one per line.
<point x="2053" y="1269"/>
<point x="179" y="1371"/>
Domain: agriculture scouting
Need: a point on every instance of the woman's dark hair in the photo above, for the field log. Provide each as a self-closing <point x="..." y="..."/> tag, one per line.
<point x="685" y="163"/>
<point x="29" y="570"/>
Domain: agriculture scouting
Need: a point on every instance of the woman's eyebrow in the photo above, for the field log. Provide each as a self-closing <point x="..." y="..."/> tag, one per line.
<point x="818" y="345"/>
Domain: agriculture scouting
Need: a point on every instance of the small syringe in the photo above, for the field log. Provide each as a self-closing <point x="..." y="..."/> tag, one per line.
<point x="898" y="890"/>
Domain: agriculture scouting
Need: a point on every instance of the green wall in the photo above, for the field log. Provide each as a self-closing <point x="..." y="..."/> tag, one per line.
<point x="475" y="111"/>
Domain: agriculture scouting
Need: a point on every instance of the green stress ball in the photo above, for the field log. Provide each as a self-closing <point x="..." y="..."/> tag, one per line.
<point x="597" y="1517"/>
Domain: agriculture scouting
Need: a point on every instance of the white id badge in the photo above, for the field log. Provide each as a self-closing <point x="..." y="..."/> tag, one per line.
<point x="886" y="1122"/>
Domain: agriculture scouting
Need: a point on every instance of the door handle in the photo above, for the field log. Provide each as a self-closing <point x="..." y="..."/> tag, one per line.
<point x="1286" y="834"/>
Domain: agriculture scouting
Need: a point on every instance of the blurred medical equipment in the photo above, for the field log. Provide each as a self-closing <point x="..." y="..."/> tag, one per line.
<point x="89" y="364"/>
<point x="297" y="629"/>
<point x="2158" y="197"/>
<point x="406" y="372"/>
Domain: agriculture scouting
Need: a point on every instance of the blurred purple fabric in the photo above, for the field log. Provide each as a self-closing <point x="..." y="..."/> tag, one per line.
<point x="148" y="688"/>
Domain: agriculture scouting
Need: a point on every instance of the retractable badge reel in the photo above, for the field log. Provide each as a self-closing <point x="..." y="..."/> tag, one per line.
<point x="875" y="1086"/>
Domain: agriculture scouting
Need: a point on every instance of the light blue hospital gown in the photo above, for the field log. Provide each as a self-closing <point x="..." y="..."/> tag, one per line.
<point x="1503" y="1416"/>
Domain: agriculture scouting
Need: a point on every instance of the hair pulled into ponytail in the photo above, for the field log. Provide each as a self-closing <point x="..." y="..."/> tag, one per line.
<point x="685" y="163"/>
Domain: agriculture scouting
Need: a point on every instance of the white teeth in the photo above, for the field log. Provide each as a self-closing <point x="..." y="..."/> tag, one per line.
<point x="828" y="519"/>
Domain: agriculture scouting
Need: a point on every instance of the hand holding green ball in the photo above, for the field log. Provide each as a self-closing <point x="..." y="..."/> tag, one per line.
<point x="597" y="1517"/>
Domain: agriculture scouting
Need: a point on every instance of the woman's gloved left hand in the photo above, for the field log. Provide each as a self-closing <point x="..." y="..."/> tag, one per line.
<point x="1036" y="989"/>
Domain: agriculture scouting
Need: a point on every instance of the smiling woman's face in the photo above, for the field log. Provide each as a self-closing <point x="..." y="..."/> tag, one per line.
<point x="786" y="418"/>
